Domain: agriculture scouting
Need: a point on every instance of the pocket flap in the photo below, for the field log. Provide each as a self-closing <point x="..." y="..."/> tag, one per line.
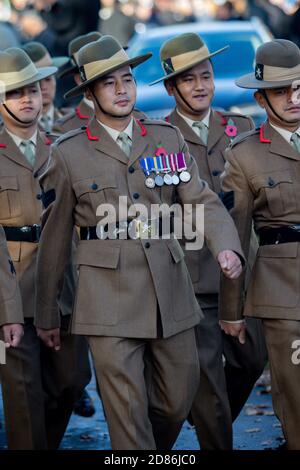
<point x="9" y="182"/>
<point x="97" y="253"/>
<point x="271" y="179"/>
<point x="95" y="184"/>
<point x="282" y="250"/>
<point x="175" y="250"/>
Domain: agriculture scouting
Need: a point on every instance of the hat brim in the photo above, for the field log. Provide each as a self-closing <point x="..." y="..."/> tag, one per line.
<point x="70" y="70"/>
<point x="249" y="81"/>
<point x="60" y="61"/>
<point x="189" y="66"/>
<point x="133" y="62"/>
<point x="43" y="72"/>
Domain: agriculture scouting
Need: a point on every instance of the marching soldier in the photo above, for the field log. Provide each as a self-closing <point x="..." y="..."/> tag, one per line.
<point x="262" y="182"/>
<point x="11" y="312"/>
<point x="134" y="294"/>
<point x="41" y="58"/>
<point x="189" y="78"/>
<point x="39" y="386"/>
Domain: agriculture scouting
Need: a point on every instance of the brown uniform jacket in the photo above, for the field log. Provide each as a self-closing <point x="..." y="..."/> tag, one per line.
<point x="76" y="118"/>
<point x="203" y="268"/>
<point x="121" y="281"/>
<point x="20" y="205"/>
<point x="57" y="116"/>
<point x="263" y="171"/>
<point x="10" y="298"/>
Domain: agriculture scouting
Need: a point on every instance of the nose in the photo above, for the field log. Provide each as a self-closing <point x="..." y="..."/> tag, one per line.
<point x="120" y="88"/>
<point x="199" y="83"/>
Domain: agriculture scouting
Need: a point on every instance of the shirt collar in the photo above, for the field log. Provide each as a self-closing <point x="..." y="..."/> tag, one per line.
<point x="285" y="133"/>
<point x="115" y="134"/>
<point x="190" y="122"/>
<point x="17" y="140"/>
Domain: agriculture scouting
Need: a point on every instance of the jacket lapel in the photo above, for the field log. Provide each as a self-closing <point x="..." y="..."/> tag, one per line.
<point x="278" y="144"/>
<point x="105" y="144"/>
<point x="42" y="151"/>
<point x="11" y="150"/>
<point x="188" y="133"/>
<point x="139" y="143"/>
<point x="216" y="130"/>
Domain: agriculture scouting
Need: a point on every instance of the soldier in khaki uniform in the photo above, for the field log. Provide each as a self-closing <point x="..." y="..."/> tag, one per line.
<point x="262" y="182"/>
<point x="11" y="312"/>
<point x="134" y="294"/>
<point x="41" y="58"/>
<point x="189" y="79"/>
<point x="39" y="386"/>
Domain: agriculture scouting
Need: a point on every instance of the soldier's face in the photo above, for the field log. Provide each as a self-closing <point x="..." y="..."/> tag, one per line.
<point x="281" y="101"/>
<point x="25" y="103"/>
<point x="196" y="85"/>
<point x="48" y="89"/>
<point x="116" y="92"/>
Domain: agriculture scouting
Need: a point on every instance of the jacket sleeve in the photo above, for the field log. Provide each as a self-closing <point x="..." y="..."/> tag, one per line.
<point x="56" y="239"/>
<point x="10" y="297"/>
<point x="234" y="183"/>
<point x="219" y="230"/>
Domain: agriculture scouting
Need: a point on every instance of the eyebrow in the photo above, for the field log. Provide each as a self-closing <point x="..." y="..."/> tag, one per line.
<point x="191" y="74"/>
<point x="127" y="74"/>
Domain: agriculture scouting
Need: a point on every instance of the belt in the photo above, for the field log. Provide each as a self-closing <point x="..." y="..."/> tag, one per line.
<point x="276" y="236"/>
<point x="27" y="233"/>
<point x="132" y="229"/>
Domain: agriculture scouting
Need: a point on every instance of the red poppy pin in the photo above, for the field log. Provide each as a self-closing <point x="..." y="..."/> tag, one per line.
<point x="231" y="129"/>
<point x="160" y="151"/>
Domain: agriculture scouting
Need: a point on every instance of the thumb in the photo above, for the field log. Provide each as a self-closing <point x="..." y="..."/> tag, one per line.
<point x="223" y="259"/>
<point x="242" y="336"/>
<point x="56" y="341"/>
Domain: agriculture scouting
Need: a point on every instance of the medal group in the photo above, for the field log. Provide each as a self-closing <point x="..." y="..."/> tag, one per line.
<point x="165" y="169"/>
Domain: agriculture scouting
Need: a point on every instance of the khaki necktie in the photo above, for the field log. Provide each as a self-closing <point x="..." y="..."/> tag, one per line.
<point x="46" y="122"/>
<point x="295" y="141"/>
<point x="26" y="147"/>
<point x="202" y="131"/>
<point x="125" y="142"/>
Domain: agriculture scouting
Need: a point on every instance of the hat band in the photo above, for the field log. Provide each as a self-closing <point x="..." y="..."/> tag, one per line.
<point x="45" y="61"/>
<point x="269" y="73"/>
<point x="13" y="78"/>
<point x="181" y="61"/>
<point x="93" y="69"/>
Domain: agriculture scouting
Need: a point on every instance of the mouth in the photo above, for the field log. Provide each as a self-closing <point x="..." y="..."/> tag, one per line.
<point x="122" y="103"/>
<point x="294" y="109"/>
<point x="200" y="96"/>
<point x="27" y="109"/>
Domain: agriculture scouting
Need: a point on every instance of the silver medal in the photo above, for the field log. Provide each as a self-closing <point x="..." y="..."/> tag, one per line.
<point x="159" y="181"/>
<point x="168" y="179"/>
<point x="185" y="176"/>
<point x="149" y="182"/>
<point x="175" y="180"/>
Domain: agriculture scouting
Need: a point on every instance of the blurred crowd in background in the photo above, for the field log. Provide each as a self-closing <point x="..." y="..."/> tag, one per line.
<point x="56" y="22"/>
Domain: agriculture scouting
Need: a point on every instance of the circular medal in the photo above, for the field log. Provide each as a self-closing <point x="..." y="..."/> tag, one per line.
<point x="149" y="182"/>
<point x="175" y="180"/>
<point x="159" y="181"/>
<point x="185" y="176"/>
<point x="168" y="179"/>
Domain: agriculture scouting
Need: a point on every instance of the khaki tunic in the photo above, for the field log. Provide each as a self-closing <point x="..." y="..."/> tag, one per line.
<point x="263" y="171"/>
<point x="10" y="298"/>
<point x="121" y="281"/>
<point x="210" y="159"/>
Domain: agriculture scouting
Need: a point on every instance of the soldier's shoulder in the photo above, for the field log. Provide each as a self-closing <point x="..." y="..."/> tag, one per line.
<point x="245" y="138"/>
<point x="66" y="117"/>
<point x="234" y="115"/>
<point x="155" y="122"/>
<point x="70" y="136"/>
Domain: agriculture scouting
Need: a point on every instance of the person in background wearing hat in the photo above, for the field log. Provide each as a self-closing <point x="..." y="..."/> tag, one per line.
<point x="39" y="386"/>
<point x="41" y="58"/>
<point x="262" y="181"/>
<point x="84" y="111"/>
<point x="134" y="295"/>
<point x="11" y="312"/>
<point x="222" y="393"/>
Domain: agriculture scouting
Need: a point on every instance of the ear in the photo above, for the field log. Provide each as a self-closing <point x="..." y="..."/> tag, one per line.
<point x="169" y="87"/>
<point x="260" y="99"/>
<point x="77" y="79"/>
<point x="88" y="94"/>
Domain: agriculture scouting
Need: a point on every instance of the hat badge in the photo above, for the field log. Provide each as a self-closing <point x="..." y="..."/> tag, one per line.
<point x="82" y="73"/>
<point x="168" y="66"/>
<point x="259" y="71"/>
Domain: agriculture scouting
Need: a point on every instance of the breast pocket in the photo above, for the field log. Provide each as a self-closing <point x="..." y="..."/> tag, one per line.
<point x="10" y="202"/>
<point x="95" y="191"/>
<point x="279" y="189"/>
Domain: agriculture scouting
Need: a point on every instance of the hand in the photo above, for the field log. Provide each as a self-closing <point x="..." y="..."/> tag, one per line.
<point x="51" y="338"/>
<point x="12" y="333"/>
<point x="230" y="264"/>
<point x="237" y="329"/>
